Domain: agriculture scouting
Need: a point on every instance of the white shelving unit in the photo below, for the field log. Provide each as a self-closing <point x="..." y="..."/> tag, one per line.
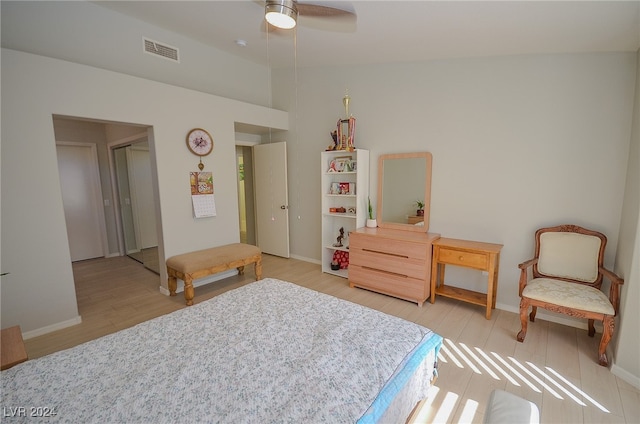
<point x="333" y="221"/>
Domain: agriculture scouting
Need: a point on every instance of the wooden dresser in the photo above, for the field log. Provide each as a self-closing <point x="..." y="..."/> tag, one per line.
<point x="392" y="262"/>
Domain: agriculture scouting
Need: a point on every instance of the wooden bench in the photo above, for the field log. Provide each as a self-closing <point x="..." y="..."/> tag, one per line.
<point x="193" y="265"/>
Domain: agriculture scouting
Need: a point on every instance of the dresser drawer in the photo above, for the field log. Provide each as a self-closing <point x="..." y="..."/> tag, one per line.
<point x="392" y="284"/>
<point x="411" y="267"/>
<point x="462" y="258"/>
<point x="398" y="248"/>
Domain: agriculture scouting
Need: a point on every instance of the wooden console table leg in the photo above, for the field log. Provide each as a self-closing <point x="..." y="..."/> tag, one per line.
<point x="434" y="277"/>
<point x="495" y="280"/>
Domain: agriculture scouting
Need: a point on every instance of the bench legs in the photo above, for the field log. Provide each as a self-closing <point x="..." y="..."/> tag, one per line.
<point x="189" y="291"/>
<point x="173" y="284"/>
<point x="258" y="268"/>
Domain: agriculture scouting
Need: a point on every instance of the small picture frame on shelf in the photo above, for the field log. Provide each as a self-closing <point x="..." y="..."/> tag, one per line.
<point x="352" y="166"/>
<point x="348" y="188"/>
<point x="335" y="188"/>
<point x="339" y="164"/>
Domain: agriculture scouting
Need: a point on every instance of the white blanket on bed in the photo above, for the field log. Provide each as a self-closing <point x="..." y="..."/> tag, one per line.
<point x="267" y="352"/>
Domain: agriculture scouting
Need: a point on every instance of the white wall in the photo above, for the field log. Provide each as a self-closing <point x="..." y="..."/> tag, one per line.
<point x="627" y="337"/>
<point x="82" y="32"/>
<point x="39" y="293"/>
<point x="518" y="143"/>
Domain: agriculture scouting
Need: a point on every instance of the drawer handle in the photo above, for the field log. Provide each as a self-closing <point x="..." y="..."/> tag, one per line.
<point x="384" y="272"/>
<point x="461" y="258"/>
<point x="385" y="253"/>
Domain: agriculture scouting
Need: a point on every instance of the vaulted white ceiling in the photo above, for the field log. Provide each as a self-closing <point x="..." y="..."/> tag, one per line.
<point x="400" y="31"/>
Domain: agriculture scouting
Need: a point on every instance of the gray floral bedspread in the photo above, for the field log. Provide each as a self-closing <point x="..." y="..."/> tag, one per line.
<point x="267" y="352"/>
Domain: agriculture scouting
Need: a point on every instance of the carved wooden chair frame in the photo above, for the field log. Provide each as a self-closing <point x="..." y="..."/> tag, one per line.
<point x="614" y="291"/>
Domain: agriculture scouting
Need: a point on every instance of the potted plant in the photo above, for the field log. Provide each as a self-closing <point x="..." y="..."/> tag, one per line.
<point x="371" y="221"/>
<point x="420" y="211"/>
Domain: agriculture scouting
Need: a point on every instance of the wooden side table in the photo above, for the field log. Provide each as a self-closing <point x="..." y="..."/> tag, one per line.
<point x="12" y="350"/>
<point x="414" y="219"/>
<point x="468" y="254"/>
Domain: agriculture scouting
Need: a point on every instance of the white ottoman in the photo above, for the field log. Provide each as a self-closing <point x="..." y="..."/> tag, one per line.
<point x="507" y="408"/>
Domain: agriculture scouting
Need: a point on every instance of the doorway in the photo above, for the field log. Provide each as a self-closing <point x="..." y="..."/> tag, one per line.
<point x="246" y="198"/>
<point x="102" y="137"/>
<point x="137" y="212"/>
<point x="263" y="206"/>
<point x="272" y="199"/>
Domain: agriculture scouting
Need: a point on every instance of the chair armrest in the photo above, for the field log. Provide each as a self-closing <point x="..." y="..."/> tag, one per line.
<point x="523" y="273"/>
<point x="614" y="289"/>
<point x="527" y="264"/>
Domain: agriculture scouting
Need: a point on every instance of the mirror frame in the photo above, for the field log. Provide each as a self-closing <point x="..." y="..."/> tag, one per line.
<point x="427" y="192"/>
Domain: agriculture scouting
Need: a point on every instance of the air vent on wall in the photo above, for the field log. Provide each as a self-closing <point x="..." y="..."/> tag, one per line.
<point x="160" y="49"/>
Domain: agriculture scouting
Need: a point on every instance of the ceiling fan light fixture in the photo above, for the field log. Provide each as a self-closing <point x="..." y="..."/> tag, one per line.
<point x="281" y="13"/>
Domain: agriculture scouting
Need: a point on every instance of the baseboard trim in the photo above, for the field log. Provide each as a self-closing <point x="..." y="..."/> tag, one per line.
<point x="625" y="375"/>
<point x="53" y="327"/>
<point x="305" y="259"/>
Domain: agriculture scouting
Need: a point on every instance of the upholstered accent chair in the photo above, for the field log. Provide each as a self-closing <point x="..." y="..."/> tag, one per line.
<point x="567" y="273"/>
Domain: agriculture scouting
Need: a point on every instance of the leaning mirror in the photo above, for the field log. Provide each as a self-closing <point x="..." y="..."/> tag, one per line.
<point x="404" y="191"/>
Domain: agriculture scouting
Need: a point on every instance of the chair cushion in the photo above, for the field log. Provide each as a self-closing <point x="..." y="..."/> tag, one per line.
<point x="570" y="295"/>
<point x="569" y="255"/>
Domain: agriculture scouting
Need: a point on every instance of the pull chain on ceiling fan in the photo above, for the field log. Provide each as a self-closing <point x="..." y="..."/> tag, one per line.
<point x="284" y="13"/>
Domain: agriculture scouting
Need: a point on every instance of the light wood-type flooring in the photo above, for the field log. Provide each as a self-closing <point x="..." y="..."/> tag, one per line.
<point x="555" y="367"/>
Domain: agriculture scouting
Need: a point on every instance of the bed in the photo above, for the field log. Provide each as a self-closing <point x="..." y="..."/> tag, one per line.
<point x="269" y="351"/>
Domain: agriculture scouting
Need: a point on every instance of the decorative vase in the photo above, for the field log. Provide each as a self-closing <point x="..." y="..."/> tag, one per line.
<point x="372" y="223"/>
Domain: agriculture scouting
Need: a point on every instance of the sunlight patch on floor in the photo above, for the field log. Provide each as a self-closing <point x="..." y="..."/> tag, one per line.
<point x="440" y="406"/>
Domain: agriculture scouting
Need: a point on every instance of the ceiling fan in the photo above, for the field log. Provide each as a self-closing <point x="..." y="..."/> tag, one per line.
<point x="283" y="14"/>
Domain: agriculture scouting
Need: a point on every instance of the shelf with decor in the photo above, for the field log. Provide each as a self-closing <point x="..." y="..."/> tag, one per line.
<point x="345" y="190"/>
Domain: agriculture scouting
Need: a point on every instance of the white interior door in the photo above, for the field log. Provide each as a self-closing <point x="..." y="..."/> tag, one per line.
<point x="82" y="200"/>
<point x="272" y="201"/>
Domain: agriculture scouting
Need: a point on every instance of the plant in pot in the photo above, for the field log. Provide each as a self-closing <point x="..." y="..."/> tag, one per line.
<point x="420" y="211"/>
<point x="371" y="221"/>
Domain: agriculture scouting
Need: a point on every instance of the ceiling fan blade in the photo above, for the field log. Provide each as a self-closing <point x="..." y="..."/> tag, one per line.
<point x="310" y="9"/>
